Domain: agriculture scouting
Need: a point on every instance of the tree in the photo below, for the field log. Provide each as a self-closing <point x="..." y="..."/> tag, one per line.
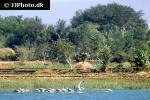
<point x="62" y="29"/>
<point x="141" y="57"/>
<point x="2" y="41"/>
<point x="28" y="32"/>
<point x="77" y="19"/>
<point x="64" y="50"/>
<point x="112" y="16"/>
<point x="86" y="38"/>
<point x="8" y="26"/>
<point x="51" y="33"/>
<point x="83" y="56"/>
<point x="106" y="56"/>
<point x="121" y="26"/>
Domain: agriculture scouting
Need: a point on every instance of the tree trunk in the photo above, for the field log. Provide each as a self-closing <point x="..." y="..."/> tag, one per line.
<point x="44" y="56"/>
<point x="68" y="59"/>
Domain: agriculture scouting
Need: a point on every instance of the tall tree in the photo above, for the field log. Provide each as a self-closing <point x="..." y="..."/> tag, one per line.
<point x="87" y="38"/>
<point x="122" y="26"/>
<point x="62" y="29"/>
<point x="8" y="26"/>
<point x="111" y="16"/>
<point x="27" y="32"/>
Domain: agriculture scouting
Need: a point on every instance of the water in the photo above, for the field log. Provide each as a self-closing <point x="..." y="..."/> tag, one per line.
<point x="85" y="95"/>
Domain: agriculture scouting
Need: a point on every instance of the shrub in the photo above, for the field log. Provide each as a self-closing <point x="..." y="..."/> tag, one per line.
<point x="6" y="52"/>
<point x="24" y="53"/>
<point x="141" y="58"/>
<point x="125" y="64"/>
<point x="106" y="56"/>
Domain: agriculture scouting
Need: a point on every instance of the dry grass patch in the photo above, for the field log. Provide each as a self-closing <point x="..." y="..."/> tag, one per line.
<point x="8" y="64"/>
<point x="143" y="73"/>
<point x="44" y="72"/>
<point x="83" y="65"/>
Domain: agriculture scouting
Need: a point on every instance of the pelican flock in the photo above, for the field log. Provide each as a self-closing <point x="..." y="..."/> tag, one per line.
<point x="77" y="88"/>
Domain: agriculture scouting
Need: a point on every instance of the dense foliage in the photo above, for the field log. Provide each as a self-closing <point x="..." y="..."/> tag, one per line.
<point x="108" y="32"/>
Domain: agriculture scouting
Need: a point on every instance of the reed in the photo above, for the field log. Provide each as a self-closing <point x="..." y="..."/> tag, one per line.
<point x="89" y="84"/>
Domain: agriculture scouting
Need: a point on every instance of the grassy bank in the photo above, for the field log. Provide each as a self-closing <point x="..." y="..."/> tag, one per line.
<point x="89" y="84"/>
<point x="113" y="81"/>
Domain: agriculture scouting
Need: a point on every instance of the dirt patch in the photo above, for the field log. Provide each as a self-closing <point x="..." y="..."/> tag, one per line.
<point x="8" y="64"/>
<point x="83" y="65"/>
<point x="143" y="73"/>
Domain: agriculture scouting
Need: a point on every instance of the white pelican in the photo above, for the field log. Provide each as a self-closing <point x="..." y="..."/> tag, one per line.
<point x="64" y="90"/>
<point x="58" y="90"/>
<point x="78" y="86"/>
<point x="37" y="90"/>
<point x="20" y="90"/>
<point x="70" y="90"/>
<point x="108" y="90"/>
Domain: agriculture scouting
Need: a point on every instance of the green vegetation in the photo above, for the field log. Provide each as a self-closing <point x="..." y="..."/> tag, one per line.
<point x="106" y="56"/>
<point x="141" y="59"/>
<point x="5" y="53"/>
<point x="89" y="84"/>
<point x="83" y="56"/>
<point x="110" y="33"/>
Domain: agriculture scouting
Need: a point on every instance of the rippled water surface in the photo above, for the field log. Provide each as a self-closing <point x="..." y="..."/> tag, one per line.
<point x="85" y="95"/>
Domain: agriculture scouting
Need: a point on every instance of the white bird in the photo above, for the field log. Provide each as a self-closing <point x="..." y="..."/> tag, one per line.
<point x="58" y="90"/>
<point x="42" y="89"/>
<point x="37" y="90"/>
<point x="64" y="90"/>
<point x="70" y="90"/>
<point x="108" y="90"/>
<point x="20" y="90"/>
<point x="52" y="90"/>
<point x="78" y="86"/>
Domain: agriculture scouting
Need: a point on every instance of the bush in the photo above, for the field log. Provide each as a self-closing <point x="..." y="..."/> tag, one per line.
<point x="141" y="58"/>
<point x="24" y="53"/>
<point x="106" y="56"/>
<point x="125" y="64"/>
<point x="6" y="52"/>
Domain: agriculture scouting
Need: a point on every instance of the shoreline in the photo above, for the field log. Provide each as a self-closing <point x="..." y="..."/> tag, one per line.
<point x="52" y="76"/>
<point x="10" y="84"/>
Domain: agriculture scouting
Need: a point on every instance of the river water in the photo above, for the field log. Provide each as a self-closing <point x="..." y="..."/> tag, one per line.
<point x="85" y="95"/>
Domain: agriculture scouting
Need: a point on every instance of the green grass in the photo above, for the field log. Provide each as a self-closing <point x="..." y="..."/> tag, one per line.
<point x="96" y="65"/>
<point x="34" y="67"/>
<point x="117" y="84"/>
<point x="89" y="84"/>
